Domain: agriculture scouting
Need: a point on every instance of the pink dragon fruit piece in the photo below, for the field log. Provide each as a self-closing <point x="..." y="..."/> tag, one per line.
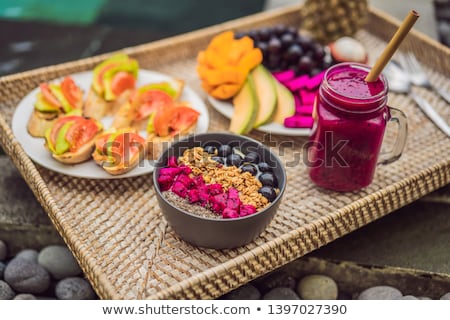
<point x="299" y="121"/>
<point x="307" y="96"/>
<point x="297" y="100"/>
<point x="214" y="188"/>
<point x="186" y="169"/>
<point x="284" y="76"/>
<point x="172" y="162"/>
<point x="233" y="201"/>
<point x="305" y="110"/>
<point x="246" y="209"/>
<point x="193" y="195"/>
<point x="185" y="180"/>
<point x="179" y="189"/>
<point x="298" y="83"/>
<point x="218" y="202"/>
<point x="165" y="182"/>
<point x="198" y="181"/>
<point x="203" y="197"/>
<point x="172" y="172"/>
<point x="229" y="213"/>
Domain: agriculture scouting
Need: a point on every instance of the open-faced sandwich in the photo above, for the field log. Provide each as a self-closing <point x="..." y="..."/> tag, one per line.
<point x="112" y="82"/>
<point x="119" y="151"/>
<point x="168" y="123"/>
<point x="71" y="138"/>
<point x="52" y="101"/>
<point x="145" y="101"/>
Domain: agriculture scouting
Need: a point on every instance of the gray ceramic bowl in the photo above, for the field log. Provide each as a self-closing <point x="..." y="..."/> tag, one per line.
<point x="219" y="233"/>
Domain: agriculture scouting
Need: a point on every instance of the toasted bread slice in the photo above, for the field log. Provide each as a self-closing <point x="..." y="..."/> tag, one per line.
<point x="123" y="117"/>
<point x="120" y="168"/>
<point x="114" y="164"/>
<point x="95" y="106"/>
<point x="39" y="122"/>
<point x="81" y="155"/>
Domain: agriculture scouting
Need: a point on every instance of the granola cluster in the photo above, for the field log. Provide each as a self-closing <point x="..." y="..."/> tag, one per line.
<point x="229" y="177"/>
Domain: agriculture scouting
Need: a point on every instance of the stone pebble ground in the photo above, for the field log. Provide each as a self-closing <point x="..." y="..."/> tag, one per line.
<point x="53" y="273"/>
<point x="48" y="274"/>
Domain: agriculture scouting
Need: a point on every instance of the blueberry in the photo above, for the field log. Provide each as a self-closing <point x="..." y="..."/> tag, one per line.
<point x="268" y="192"/>
<point x="234" y="160"/>
<point x="251" y="157"/>
<point x="219" y="160"/>
<point x="268" y="179"/>
<point x="224" y="150"/>
<point x="210" y="149"/>
<point x="249" y="168"/>
<point x="264" y="167"/>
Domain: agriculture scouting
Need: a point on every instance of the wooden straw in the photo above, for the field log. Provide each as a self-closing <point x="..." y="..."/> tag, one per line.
<point x="392" y="46"/>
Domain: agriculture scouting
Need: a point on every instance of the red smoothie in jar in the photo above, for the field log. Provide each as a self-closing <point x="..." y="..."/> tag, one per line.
<point x="350" y="120"/>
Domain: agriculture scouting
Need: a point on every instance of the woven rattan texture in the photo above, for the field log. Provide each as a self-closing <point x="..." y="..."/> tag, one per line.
<point x="126" y="248"/>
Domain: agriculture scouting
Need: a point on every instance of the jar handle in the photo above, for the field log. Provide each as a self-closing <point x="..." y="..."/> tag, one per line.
<point x="398" y="117"/>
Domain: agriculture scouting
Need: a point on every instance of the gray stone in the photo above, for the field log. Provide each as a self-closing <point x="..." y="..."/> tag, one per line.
<point x="380" y="293"/>
<point x="446" y="296"/>
<point x="6" y="293"/>
<point x="28" y="254"/>
<point x="424" y="298"/>
<point x="74" y="288"/>
<point x="26" y="276"/>
<point x="3" y="250"/>
<point x="245" y="292"/>
<point x="2" y="269"/>
<point x="59" y="261"/>
<point x="408" y="297"/>
<point x="317" y="287"/>
<point x="25" y="296"/>
<point x="281" y="293"/>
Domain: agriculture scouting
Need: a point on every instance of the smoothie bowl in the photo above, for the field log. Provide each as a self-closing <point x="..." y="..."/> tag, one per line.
<point x="219" y="190"/>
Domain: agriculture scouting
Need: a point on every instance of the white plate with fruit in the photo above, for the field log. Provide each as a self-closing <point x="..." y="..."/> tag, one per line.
<point x="264" y="79"/>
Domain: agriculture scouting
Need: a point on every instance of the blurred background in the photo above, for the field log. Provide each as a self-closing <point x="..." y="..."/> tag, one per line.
<point x="36" y="33"/>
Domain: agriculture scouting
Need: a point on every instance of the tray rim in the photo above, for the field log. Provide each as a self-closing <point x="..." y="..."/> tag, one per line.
<point x="298" y="238"/>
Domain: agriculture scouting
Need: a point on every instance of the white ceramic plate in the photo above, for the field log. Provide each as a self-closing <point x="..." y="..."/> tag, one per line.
<point x="35" y="149"/>
<point x="226" y="109"/>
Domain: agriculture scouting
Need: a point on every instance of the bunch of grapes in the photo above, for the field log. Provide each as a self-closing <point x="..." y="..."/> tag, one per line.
<point x="284" y="48"/>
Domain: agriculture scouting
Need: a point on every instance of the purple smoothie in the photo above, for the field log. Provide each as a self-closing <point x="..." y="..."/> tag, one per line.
<point x="350" y="120"/>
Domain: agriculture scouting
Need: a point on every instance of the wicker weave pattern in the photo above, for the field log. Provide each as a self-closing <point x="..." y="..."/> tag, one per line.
<point x="126" y="248"/>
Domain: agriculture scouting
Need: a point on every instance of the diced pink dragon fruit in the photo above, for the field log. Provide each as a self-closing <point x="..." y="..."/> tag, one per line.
<point x="214" y="188"/>
<point x="218" y="202"/>
<point x="229" y="213"/>
<point x="165" y="182"/>
<point x="172" y="162"/>
<point x="186" y="169"/>
<point x="172" y="172"/>
<point x="198" y="181"/>
<point x="298" y="83"/>
<point x="246" y="209"/>
<point x="305" y="110"/>
<point x="193" y="195"/>
<point x="298" y="121"/>
<point x="284" y="76"/>
<point x="233" y="201"/>
<point x="185" y="180"/>
<point x="179" y="189"/>
<point x="204" y="197"/>
<point x="307" y="96"/>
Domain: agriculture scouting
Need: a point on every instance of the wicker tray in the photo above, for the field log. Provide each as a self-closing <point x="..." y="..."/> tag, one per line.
<point x="124" y="245"/>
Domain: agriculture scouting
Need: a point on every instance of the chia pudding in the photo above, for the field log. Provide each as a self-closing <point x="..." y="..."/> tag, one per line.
<point x="218" y="182"/>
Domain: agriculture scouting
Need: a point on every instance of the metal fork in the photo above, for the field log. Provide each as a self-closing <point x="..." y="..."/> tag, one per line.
<point x="418" y="77"/>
